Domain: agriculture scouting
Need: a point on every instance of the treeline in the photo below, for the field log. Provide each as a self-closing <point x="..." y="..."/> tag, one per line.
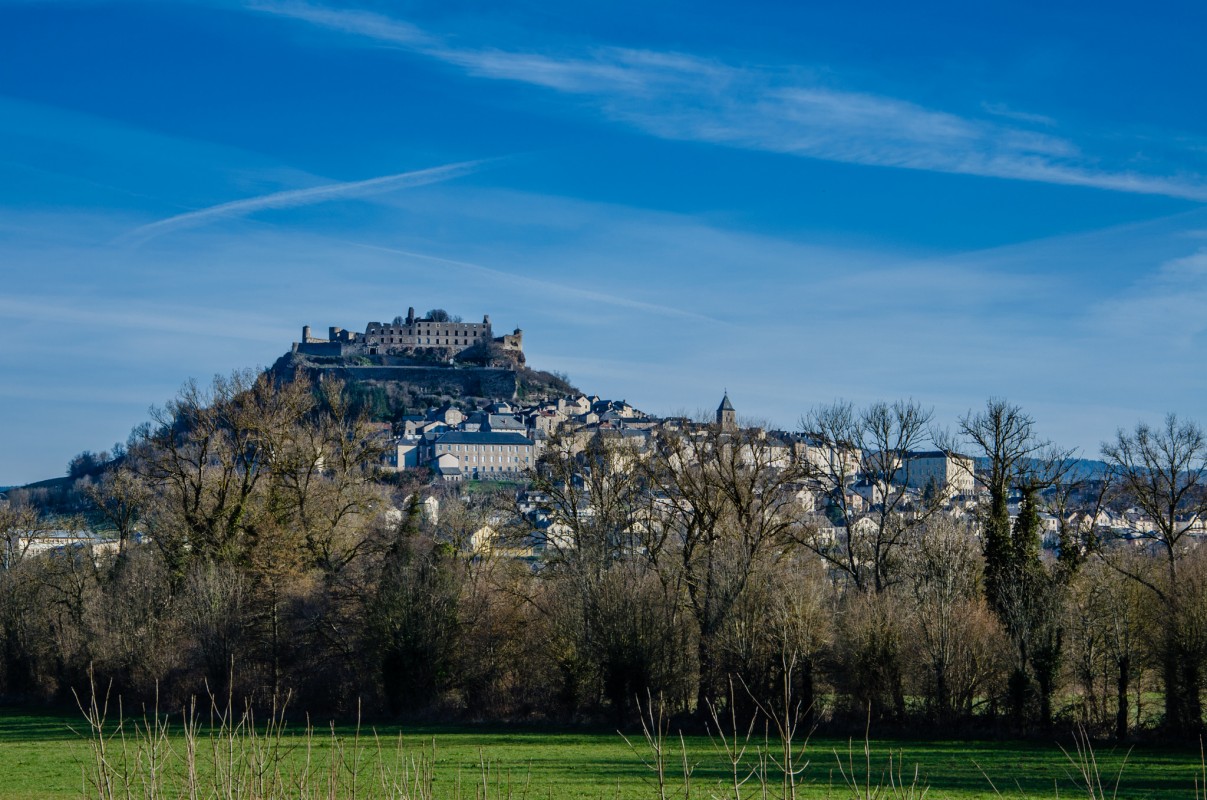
<point x="262" y="553"/>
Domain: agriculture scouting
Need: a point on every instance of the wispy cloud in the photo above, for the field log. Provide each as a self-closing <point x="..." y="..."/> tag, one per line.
<point x="362" y="23"/>
<point x="145" y="318"/>
<point x="1164" y="312"/>
<point x="547" y="287"/>
<point x="685" y="97"/>
<point x="1005" y="111"/>
<point x="302" y="197"/>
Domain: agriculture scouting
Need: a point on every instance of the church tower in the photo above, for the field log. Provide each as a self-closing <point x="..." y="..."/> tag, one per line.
<point x="727" y="418"/>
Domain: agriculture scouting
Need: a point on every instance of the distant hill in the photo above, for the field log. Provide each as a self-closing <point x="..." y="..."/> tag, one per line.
<point x="1081" y="468"/>
<point x="49" y="483"/>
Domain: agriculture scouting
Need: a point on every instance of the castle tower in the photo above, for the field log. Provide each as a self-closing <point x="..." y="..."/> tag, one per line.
<point x="727" y="418"/>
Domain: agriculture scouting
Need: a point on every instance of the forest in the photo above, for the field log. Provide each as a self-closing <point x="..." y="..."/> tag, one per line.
<point x="263" y="552"/>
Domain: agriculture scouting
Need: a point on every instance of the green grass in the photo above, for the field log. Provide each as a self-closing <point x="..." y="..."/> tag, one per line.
<point x="41" y="757"/>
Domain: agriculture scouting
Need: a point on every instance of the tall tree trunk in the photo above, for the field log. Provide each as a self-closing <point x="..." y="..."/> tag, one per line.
<point x="1020" y="685"/>
<point x="808" y="692"/>
<point x="704" y="696"/>
<point x="1124" y="678"/>
<point x="1191" y="685"/>
<point x="942" y="696"/>
<point x="1045" y="701"/>
<point x="1169" y="667"/>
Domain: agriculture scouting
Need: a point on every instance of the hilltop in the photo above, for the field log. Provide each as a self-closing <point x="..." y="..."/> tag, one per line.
<point x="392" y="386"/>
<point x="415" y="362"/>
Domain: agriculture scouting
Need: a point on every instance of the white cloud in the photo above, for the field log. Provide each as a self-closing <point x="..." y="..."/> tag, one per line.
<point x="681" y="96"/>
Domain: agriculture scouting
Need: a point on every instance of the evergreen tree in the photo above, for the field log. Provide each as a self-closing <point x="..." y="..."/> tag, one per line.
<point x="413" y="627"/>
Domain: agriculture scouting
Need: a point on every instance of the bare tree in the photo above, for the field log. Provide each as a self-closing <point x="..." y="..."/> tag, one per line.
<point x="214" y="605"/>
<point x="205" y="457"/>
<point x="121" y="497"/>
<point x="720" y="498"/>
<point x="1107" y="633"/>
<point x="953" y="634"/>
<point x="322" y="484"/>
<point x="1024" y="594"/>
<point x="20" y="525"/>
<point x="139" y="643"/>
<point x="1162" y="470"/>
<point x="623" y="622"/>
<point x="776" y="638"/>
<point x="593" y="494"/>
<point x="871" y="445"/>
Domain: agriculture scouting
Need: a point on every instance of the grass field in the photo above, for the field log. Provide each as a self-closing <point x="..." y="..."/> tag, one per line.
<point x="41" y="757"/>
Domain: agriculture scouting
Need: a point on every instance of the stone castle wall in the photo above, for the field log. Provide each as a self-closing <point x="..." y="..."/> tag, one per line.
<point x="406" y="335"/>
<point x="477" y="382"/>
<point x="381" y="338"/>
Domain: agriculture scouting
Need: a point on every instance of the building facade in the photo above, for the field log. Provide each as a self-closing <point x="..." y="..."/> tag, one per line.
<point x="406" y="335"/>
<point x="486" y="454"/>
<point x="942" y="469"/>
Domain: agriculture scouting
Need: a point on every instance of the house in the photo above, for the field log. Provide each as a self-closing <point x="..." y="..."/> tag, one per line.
<point x="941" y="469"/>
<point x="571" y="406"/>
<point x="450" y="416"/>
<point x="447" y="467"/>
<point x="411" y="423"/>
<point x="403" y="454"/>
<point x="547" y="421"/>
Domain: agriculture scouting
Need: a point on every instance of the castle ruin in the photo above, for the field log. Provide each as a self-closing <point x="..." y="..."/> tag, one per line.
<point x="406" y="336"/>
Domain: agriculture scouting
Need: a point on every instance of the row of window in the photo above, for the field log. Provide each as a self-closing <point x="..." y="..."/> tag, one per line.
<point x="501" y="460"/>
<point x="473" y="448"/>
<point x="426" y="340"/>
<point x="406" y="332"/>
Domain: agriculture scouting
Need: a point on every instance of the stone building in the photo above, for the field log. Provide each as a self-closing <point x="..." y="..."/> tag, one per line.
<point x="727" y="418"/>
<point x="942" y="469"/>
<point x="406" y="335"/>
<point x="485" y="454"/>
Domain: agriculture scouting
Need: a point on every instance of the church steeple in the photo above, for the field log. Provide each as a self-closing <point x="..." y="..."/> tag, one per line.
<point x="727" y="418"/>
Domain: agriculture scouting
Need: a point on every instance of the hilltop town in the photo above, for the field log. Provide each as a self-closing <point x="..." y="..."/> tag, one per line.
<point x="494" y="416"/>
<point x="502" y="438"/>
<point x="361" y="488"/>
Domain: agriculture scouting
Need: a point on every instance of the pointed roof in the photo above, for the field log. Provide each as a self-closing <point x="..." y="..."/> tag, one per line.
<point x="725" y="404"/>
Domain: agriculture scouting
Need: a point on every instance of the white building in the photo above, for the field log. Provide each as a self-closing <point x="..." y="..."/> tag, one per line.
<point x="487" y="455"/>
<point x="951" y="472"/>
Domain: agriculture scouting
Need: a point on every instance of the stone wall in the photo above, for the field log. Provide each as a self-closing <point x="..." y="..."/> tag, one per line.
<point x="470" y="382"/>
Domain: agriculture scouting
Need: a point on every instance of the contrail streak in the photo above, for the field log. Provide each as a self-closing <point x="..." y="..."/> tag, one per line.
<point x="303" y="197"/>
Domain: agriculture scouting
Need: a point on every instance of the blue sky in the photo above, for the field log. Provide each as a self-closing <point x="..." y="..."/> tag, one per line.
<point x="797" y="202"/>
